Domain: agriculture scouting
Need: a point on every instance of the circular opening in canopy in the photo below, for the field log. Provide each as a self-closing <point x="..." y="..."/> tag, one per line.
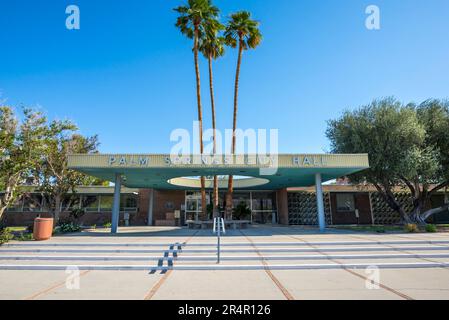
<point x="239" y="182"/>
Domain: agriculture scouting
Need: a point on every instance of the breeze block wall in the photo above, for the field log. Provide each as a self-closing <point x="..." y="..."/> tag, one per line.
<point x="302" y="208"/>
<point x="383" y="214"/>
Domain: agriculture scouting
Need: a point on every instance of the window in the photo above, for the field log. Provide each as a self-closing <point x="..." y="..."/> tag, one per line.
<point x="16" y="206"/>
<point x="239" y="197"/>
<point x="263" y="201"/>
<point x="106" y="203"/>
<point x="345" y="202"/>
<point x="33" y="203"/>
<point x="193" y="201"/>
<point x="90" y="203"/>
<point x="191" y="205"/>
<point x="128" y="202"/>
<point x="70" y="203"/>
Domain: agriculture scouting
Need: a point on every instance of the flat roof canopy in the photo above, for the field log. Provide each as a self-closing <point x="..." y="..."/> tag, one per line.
<point x="252" y="172"/>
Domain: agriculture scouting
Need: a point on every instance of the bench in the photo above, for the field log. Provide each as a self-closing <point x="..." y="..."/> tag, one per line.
<point x="230" y="224"/>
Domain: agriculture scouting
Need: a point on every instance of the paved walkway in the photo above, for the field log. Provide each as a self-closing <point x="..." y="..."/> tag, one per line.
<point x="257" y="263"/>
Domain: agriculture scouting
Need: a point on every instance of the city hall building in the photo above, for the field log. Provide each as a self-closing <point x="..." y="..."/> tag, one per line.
<point x="160" y="190"/>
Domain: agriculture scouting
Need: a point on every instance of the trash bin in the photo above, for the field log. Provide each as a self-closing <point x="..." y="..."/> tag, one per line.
<point x="43" y="229"/>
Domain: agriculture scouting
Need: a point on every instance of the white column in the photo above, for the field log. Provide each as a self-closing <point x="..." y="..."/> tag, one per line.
<point x="116" y="206"/>
<point x="150" y="208"/>
<point x="320" y="202"/>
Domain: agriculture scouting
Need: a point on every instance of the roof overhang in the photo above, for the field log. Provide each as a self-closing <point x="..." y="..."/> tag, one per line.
<point x="268" y="172"/>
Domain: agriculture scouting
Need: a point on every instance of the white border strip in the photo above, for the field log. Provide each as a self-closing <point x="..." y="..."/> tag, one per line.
<point x="263" y="250"/>
<point x="225" y="258"/>
<point x="230" y="244"/>
<point x="424" y="265"/>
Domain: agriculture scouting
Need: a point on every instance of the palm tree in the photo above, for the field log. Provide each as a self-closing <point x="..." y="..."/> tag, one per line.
<point x="243" y="32"/>
<point x="212" y="47"/>
<point x="190" y="22"/>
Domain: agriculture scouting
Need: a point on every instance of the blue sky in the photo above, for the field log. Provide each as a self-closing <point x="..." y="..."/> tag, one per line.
<point x="128" y="74"/>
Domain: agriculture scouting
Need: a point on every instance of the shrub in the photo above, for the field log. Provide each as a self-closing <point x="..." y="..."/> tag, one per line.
<point x="68" y="228"/>
<point x="411" y="228"/>
<point x="24" y="237"/>
<point x="431" y="228"/>
<point x="380" y="230"/>
<point x="5" y="236"/>
<point x="107" y="225"/>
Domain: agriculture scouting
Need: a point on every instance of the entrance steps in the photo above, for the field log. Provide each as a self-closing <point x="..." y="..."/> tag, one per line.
<point x="153" y="257"/>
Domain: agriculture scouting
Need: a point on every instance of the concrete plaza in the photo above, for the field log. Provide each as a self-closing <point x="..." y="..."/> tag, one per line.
<point x="260" y="263"/>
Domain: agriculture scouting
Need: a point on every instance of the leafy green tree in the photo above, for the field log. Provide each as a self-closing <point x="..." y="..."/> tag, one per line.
<point x="21" y="146"/>
<point x="191" y="24"/>
<point x="408" y="146"/>
<point x="56" y="182"/>
<point x="242" y="32"/>
<point x="35" y="152"/>
<point x="212" y="47"/>
<point x="433" y="170"/>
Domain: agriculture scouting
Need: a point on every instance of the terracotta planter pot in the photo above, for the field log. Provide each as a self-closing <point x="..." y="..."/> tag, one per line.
<point x="43" y="229"/>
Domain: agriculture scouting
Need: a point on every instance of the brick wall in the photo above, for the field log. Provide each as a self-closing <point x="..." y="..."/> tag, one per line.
<point x="167" y="201"/>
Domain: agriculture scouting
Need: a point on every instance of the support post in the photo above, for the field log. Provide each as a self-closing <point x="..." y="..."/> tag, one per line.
<point x="116" y="206"/>
<point x="282" y="207"/>
<point x="150" y="208"/>
<point x="320" y="202"/>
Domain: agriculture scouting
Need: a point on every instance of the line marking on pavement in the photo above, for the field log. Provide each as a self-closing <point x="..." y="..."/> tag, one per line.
<point x="164" y="278"/>
<point x="437" y="243"/>
<point x="215" y="267"/>
<point x="401" y="255"/>
<point x="232" y="250"/>
<point x="54" y="287"/>
<point x="276" y="281"/>
<point x="400" y="294"/>
<point x="128" y="246"/>
<point x="158" y="285"/>
<point x="396" y="292"/>
<point x="408" y="252"/>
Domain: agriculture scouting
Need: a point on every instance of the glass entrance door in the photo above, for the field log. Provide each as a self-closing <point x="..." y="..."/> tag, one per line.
<point x="193" y="207"/>
<point x="262" y="205"/>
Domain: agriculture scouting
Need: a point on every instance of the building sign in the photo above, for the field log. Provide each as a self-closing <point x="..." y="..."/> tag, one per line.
<point x="266" y="163"/>
<point x="129" y="161"/>
<point x="246" y="160"/>
<point x="302" y="161"/>
<point x="310" y="161"/>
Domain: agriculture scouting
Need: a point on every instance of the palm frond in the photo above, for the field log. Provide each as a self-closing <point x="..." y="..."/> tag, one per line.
<point x="243" y="30"/>
<point x="195" y="14"/>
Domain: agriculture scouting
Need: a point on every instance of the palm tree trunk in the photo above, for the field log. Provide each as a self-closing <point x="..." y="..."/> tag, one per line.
<point x="214" y="127"/>
<point x="200" y="119"/>
<point x="234" y="128"/>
